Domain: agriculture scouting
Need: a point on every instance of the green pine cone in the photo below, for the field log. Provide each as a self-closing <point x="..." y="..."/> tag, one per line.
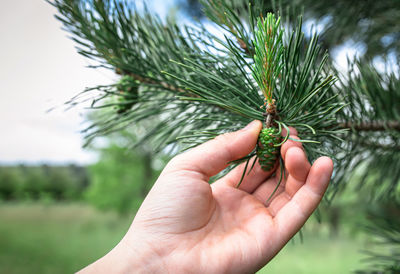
<point x="267" y="152"/>
<point x="128" y="89"/>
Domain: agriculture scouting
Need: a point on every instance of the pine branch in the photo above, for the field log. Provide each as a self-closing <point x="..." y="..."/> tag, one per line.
<point x="225" y="14"/>
<point x="145" y="80"/>
<point x="268" y="58"/>
<point x="371" y="118"/>
<point x="189" y="72"/>
<point x="196" y="86"/>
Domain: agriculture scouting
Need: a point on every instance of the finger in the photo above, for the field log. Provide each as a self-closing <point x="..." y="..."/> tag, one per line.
<point x="290" y="143"/>
<point x="252" y="179"/>
<point x="292" y="131"/>
<point x="256" y="176"/>
<point x="297" y="210"/>
<point x="297" y="168"/>
<point x="213" y="156"/>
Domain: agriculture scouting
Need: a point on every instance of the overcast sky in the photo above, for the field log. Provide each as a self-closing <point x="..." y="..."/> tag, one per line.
<point x="41" y="69"/>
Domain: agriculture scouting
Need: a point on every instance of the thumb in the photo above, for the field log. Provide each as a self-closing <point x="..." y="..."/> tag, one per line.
<point x="213" y="156"/>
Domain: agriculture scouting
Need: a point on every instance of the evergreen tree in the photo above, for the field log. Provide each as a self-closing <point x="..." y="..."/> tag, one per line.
<point x="198" y="85"/>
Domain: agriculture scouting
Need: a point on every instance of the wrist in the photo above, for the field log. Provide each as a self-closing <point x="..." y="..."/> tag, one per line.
<point x="125" y="258"/>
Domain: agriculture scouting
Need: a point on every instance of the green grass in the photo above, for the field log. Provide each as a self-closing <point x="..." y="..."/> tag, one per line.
<point x="318" y="254"/>
<point x="63" y="238"/>
<point x="59" y="238"/>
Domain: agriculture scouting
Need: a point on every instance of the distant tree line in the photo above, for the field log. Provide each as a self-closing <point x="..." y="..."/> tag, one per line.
<point x="118" y="181"/>
<point x="23" y="182"/>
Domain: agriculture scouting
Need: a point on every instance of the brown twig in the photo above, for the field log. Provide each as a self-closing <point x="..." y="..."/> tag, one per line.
<point x="270" y="113"/>
<point x="243" y="46"/>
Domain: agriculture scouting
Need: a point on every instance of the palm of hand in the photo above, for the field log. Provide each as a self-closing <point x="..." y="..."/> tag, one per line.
<point x="218" y="228"/>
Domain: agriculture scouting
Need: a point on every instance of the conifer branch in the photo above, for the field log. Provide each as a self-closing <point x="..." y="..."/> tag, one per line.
<point x="223" y="13"/>
<point x="165" y="85"/>
<point x="268" y="57"/>
<point x="197" y="86"/>
<point x="220" y="10"/>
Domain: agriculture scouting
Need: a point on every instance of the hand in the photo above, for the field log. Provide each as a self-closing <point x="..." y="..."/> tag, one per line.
<point x="186" y="225"/>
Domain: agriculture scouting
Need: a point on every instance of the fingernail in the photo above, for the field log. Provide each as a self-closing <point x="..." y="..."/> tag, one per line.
<point x="250" y="125"/>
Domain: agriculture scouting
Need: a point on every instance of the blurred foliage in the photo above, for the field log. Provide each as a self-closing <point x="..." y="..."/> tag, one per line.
<point x="373" y="25"/>
<point x="23" y="182"/>
<point x="121" y="178"/>
<point x="126" y="169"/>
<point x="383" y="226"/>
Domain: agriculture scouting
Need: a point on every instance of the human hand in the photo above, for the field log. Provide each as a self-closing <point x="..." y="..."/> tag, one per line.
<point x="186" y="225"/>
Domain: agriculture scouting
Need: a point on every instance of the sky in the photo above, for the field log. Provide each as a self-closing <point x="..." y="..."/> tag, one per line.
<point x="39" y="70"/>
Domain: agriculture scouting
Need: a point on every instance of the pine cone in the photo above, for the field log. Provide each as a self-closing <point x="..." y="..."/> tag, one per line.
<point x="267" y="152"/>
<point x="128" y="89"/>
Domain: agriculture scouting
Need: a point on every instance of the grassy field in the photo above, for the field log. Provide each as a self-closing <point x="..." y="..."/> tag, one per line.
<point x="318" y="254"/>
<point x="57" y="238"/>
<point x="62" y="238"/>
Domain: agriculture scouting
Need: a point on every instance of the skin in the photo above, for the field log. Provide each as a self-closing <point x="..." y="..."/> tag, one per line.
<point x="186" y="225"/>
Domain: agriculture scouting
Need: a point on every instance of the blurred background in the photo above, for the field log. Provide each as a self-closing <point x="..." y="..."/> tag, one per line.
<point x="63" y="206"/>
